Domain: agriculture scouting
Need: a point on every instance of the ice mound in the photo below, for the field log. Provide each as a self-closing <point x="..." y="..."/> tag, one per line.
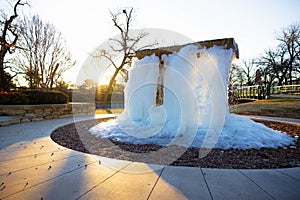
<point x="195" y="110"/>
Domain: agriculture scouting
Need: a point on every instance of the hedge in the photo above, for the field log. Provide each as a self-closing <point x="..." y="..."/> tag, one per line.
<point x="13" y="98"/>
<point x="33" y="97"/>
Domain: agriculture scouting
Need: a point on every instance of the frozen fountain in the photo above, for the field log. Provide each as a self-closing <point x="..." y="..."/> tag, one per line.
<point x="178" y="96"/>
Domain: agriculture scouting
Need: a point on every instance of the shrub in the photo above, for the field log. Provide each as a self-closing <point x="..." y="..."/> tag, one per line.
<point x="46" y="97"/>
<point x="33" y="97"/>
<point x="13" y="98"/>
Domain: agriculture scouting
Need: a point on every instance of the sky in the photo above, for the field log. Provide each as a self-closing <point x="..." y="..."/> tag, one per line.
<point x="252" y="23"/>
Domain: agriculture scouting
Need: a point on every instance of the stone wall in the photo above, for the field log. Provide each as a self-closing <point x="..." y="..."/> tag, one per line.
<point x="47" y="111"/>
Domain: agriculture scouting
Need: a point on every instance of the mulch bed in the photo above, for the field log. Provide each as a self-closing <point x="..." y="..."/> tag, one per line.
<point x="77" y="137"/>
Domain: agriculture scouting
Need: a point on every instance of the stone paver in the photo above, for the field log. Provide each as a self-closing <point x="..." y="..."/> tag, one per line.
<point x="291" y="172"/>
<point x="26" y="150"/>
<point x="76" y="178"/>
<point x="33" y="177"/>
<point x="231" y="184"/>
<point x="181" y="183"/>
<point x="32" y="166"/>
<point x="276" y="184"/>
<point x="134" y="182"/>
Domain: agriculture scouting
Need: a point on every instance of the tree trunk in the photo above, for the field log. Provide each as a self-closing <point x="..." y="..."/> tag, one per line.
<point x="108" y="89"/>
<point x="290" y="74"/>
<point x="4" y="86"/>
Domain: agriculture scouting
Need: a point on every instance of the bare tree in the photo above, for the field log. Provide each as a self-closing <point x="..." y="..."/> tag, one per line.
<point x="243" y="73"/>
<point x="247" y="68"/>
<point x="126" y="45"/>
<point x="266" y="75"/>
<point x="236" y="76"/>
<point x="290" y="43"/>
<point x="283" y="62"/>
<point x="8" y="40"/>
<point x="240" y="76"/>
<point x="44" y="56"/>
<point x="274" y="65"/>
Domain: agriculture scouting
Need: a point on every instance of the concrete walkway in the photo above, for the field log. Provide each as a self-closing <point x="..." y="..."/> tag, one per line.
<point x="285" y="96"/>
<point x="7" y="120"/>
<point x="274" y="119"/>
<point x="32" y="166"/>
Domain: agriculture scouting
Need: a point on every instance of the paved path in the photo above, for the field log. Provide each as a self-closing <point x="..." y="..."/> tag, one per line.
<point x="276" y="119"/>
<point x="7" y="120"/>
<point x="285" y="96"/>
<point x="32" y="166"/>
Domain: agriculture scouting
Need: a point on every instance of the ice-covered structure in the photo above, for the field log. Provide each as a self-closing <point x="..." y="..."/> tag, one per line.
<point x="178" y="95"/>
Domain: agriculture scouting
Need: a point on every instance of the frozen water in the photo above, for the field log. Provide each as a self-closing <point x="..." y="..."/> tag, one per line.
<point x="195" y="110"/>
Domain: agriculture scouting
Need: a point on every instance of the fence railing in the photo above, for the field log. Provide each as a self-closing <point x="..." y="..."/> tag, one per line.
<point x="259" y="92"/>
<point x="250" y="92"/>
<point x="286" y="89"/>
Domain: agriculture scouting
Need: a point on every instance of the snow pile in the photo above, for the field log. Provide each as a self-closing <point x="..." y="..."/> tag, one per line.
<point x="195" y="110"/>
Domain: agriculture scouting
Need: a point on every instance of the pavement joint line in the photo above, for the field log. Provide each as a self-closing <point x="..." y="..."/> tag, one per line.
<point x="156" y="182"/>
<point x="82" y="195"/>
<point x="203" y="174"/>
<point x="29" y="155"/>
<point x="31" y="186"/>
<point x="256" y="184"/>
<point x="5" y="174"/>
<point x="288" y="175"/>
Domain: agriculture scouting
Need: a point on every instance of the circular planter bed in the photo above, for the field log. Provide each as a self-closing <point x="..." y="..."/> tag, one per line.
<point x="77" y="137"/>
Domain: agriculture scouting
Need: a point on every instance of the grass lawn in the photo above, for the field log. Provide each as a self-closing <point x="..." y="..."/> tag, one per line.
<point x="277" y="107"/>
<point x="274" y="107"/>
<point x="109" y="111"/>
